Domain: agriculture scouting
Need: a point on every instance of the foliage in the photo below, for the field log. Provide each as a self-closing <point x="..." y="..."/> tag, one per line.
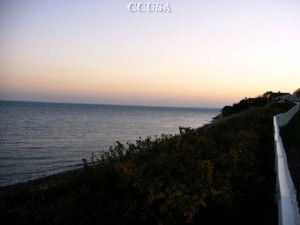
<point x="222" y="173"/>
<point x="248" y="103"/>
<point x="297" y="93"/>
<point x="245" y="104"/>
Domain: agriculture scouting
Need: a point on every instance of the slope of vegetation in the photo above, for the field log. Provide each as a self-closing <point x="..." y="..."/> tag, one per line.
<point x="222" y="173"/>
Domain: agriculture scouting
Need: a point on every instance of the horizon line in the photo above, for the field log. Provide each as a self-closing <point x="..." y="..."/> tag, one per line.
<point x="110" y="104"/>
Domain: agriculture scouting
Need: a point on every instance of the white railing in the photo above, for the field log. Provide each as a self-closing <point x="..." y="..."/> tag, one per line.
<point x="286" y="194"/>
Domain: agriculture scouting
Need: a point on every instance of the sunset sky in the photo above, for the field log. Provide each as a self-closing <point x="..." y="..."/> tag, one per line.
<point x="203" y="54"/>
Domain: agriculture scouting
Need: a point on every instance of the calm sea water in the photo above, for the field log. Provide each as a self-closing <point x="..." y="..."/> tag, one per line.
<point x="39" y="139"/>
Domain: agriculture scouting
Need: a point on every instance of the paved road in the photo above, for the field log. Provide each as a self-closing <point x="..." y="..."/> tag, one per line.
<point x="293" y="155"/>
<point x="291" y="140"/>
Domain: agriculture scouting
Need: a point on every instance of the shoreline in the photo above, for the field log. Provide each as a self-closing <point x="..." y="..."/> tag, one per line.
<point x="50" y="139"/>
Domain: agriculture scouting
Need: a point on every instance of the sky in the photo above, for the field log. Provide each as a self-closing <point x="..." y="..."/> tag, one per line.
<point x="202" y="54"/>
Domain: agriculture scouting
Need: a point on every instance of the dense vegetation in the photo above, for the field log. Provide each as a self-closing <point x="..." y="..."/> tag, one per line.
<point x="222" y="173"/>
<point x="297" y="93"/>
<point x="245" y="104"/>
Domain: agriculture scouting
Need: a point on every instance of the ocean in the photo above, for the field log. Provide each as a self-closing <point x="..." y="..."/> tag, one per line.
<point x="40" y="139"/>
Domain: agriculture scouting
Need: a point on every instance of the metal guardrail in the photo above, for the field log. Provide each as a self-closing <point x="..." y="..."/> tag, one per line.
<point x="286" y="194"/>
